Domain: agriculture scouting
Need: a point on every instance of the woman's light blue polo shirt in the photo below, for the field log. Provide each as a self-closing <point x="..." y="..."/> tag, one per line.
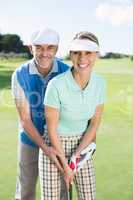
<point x="76" y="105"/>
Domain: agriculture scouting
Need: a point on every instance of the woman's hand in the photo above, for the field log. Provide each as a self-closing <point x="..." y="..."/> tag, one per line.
<point x="68" y="176"/>
<point x="77" y="155"/>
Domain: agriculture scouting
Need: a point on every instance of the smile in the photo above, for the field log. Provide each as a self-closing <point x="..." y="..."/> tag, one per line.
<point x="83" y="65"/>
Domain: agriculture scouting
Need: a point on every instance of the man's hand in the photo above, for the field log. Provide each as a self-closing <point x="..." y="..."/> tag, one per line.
<point x="54" y="156"/>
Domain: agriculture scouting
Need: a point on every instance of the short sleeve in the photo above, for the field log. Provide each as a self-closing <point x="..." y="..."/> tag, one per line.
<point x="51" y="98"/>
<point x="102" y="93"/>
<point x="17" y="91"/>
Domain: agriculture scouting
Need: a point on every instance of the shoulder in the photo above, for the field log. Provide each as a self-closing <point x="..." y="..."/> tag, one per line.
<point x="59" y="80"/>
<point x="22" y="67"/>
<point x="98" y="79"/>
<point x="62" y="65"/>
<point x="20" y="72"/>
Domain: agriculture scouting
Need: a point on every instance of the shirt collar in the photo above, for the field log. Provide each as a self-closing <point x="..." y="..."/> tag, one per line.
<point x="73" y="84"/>
<point x="33" y="69"/>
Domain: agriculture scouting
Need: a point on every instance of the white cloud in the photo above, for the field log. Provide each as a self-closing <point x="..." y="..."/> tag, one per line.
<point x="120" y="2"/>
<point x="116" y="14"/>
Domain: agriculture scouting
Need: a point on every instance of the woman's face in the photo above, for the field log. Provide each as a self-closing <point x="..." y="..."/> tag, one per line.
<point x="83" y="60"/>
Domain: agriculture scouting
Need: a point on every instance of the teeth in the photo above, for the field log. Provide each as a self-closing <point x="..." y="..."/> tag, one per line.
<point x="83" y="65"/>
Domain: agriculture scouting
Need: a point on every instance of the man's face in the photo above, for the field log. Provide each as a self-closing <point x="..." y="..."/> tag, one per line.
<point x="44" y="54"/>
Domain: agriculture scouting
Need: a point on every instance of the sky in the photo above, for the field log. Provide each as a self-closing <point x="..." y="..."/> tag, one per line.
<point x="110" y="20"/>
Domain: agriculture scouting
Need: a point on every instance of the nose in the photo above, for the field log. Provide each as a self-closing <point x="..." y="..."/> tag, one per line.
<point x="44" y="52"/>
<point x="82" y="56"/>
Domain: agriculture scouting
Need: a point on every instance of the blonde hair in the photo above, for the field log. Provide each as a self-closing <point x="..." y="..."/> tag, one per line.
<point x="87" y="36"/>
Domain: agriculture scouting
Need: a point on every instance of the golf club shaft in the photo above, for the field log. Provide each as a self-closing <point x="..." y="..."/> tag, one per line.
<point x="70" y="193"/>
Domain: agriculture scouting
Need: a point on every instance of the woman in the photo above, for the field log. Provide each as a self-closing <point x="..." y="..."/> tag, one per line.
<point x="74" y="104"/>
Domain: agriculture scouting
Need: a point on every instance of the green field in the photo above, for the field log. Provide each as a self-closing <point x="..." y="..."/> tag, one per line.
<point x="113" y="159"/>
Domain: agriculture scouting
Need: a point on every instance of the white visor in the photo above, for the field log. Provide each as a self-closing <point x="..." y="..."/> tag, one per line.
<point x="83" y="45"/>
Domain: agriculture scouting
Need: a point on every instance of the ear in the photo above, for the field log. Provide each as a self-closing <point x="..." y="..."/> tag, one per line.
<point x="70" y="54"/>
<point x="98" y="55"/>
<point x="30" y="48"/>
<point x="56" y="49"/>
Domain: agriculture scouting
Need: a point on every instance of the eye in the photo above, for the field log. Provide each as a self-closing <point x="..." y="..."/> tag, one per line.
<point x="75" y="52"/>
<point x="38" y="47"/>
<point x="51" y="47"/>
<point x="88" y="52"/>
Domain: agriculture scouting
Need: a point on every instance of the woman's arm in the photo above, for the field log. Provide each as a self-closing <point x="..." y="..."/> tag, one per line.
<point x="90" y="134"/>
<point x="52" y="118"/>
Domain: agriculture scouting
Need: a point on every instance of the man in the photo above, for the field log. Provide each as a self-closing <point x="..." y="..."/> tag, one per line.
<point x="29" y="83"/>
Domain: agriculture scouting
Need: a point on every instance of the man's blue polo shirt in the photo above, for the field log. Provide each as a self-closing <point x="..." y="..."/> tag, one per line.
<point x="28" y="83"/>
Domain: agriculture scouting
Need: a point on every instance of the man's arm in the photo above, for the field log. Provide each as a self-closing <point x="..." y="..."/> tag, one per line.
<point x="27" y="124"/>
<point x="23" y="109"/>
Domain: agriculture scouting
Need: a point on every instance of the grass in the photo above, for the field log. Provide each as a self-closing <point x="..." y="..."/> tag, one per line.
<point x="114" y="142"/>
<point x="113" y="159"/>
